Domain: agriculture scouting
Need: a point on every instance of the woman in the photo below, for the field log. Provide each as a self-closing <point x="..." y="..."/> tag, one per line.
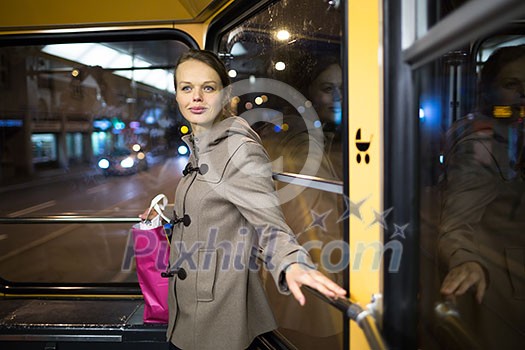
<point x="226" y="211"/>
<point x="482" y="242"/>
<point x="325" y="91"/>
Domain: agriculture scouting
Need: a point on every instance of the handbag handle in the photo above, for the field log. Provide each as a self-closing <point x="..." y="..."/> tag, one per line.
<point x="159" y="204"/>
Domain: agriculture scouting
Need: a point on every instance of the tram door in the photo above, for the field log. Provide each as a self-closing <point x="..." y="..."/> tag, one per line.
<point x="467" y="128"/>
<point x="297" y="110"/>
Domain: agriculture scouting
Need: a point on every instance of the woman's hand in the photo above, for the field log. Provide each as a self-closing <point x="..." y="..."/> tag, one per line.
<point x="152" y="214"/>
<point x="298" y="275"/>
<point x="460" y="278"/>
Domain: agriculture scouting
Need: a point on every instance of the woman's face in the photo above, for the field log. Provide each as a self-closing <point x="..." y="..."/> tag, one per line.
<point x="325" y="93"/>
<point x="198" y="94"/>
<point x="509" y="85"/>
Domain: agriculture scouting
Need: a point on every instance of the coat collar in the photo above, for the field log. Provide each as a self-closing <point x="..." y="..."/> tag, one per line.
<point x="212" y="150"/>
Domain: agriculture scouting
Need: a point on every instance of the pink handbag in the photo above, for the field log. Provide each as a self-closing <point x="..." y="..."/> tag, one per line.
<point x="151" y="258"/>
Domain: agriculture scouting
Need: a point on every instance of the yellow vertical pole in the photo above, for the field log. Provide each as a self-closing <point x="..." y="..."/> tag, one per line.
<point x="365" y="154"/>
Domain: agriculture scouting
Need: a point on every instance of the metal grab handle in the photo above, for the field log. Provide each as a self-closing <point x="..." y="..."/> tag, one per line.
<point x="355" y="312"/>
<point x="449" y="320"/>
<point x="309" y="181"/>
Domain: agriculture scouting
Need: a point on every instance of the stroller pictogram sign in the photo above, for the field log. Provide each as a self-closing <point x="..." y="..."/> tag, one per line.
<point x="362" y="147"/>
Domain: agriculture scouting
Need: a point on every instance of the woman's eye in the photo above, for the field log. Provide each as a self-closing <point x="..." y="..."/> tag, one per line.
<point x="185" y="88"/>
<point x="209" y="88"/>
<point x="512" y="84"/>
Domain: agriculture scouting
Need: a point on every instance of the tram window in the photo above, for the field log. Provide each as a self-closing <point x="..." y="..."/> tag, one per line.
<point x="63" y="106"/>
<point x="427" y="13"/>
<point x="299" y="46"/>
<point x="291" y="43"/>
<point x="472" y="195"/>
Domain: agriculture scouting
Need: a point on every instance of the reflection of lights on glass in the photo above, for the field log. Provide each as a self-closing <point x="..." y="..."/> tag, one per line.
<point x="300" y="109"/>
<point x="232" y="73"/>
<point x="119" y="125"/>
<point x="150" y="119"/>
<point x="184" y="129"/>
<point x="103" y="163"/>
<point x="258" y="101"/>
<point x="236" y="99"/>
<point x="280" y="65"/>
<point x="103" y="124"/>
<point x="308" y="104"/>
<point x="141" y="155"/>
<point x="284" y="127"/>
<point x="277" y="128"/>
<point x="127" y="162"/>
<point x="283" y="35"/>
<point x="317" y="124"/>
<point x="183" y="150"/>
<point x="75" y="72"/>
<point x="430" y="111"/>
<point x="441" y="158"/>
<point x="136" y="147"/>
<point x="252" y="79"/>
<point x="92" y="54"/>
<point x="421" y="113"/>
<point x="502" y="111"/>
<point x="338" y="113"/>
<point x="248" y="105"/>
<point x="264" y="98"/>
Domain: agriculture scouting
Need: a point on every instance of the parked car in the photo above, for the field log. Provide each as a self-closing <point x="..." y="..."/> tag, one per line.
<point x="122" y="161"/>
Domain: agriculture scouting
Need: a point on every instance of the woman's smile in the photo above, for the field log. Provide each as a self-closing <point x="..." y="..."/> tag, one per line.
<point x="198" y="110"/>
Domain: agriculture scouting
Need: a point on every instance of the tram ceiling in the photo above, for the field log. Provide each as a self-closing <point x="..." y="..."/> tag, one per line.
<point x="16" y="15"/>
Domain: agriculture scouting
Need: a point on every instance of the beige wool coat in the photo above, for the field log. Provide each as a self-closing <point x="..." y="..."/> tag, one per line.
<point x="218" y="302"/>
<point x="483" y="220"/>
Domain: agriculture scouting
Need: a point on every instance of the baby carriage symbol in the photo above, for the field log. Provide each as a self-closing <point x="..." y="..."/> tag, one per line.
<point x="362" y="147"/>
